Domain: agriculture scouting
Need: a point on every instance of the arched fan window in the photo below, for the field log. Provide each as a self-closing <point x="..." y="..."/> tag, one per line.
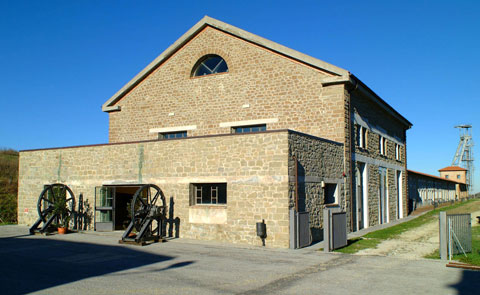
<point x="209" y="64"/>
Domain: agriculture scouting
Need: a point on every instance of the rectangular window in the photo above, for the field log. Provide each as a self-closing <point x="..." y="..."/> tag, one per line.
<point x="397" y="152"/>
<point x="361" y="136"/>
<point x="172" y="135"/>
<point x="383" y="146"/>
<point x="208" y="193"/>
<point x="248" y="129"/>
<point x="330" y="192"/>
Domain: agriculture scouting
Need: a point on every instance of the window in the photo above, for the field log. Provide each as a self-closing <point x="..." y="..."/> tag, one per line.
<point x="446" y="176"/>
<point x="330" y="193"/>
<point x="458" y="176"/>
<point x="248" y="129"/>
<point x="209" y="64"/>
<point x="171" y="135"/>
<point x="397" y="152"/>
<point x="383" y="146"/>
<point x="208" y="193"/>
<point x="361" y="136"/>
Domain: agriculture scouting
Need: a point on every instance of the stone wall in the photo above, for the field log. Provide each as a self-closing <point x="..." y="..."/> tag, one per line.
<point x="380" y="123"/>
<point x="317" y="160"/>
<point x="254" y="166"/>
<point x="260" y="84"/>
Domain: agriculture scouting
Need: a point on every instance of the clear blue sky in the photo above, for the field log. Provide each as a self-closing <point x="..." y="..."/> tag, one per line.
<point x="61" y="60"/>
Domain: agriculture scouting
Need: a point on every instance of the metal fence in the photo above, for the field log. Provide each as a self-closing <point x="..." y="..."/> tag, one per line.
<point x="455" y="234"/>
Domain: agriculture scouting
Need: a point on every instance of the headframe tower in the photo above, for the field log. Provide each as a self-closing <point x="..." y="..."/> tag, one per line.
<point x="464" y="155"/>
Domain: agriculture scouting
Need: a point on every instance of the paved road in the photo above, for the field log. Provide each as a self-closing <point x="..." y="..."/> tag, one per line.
<point x="96" y="264"/>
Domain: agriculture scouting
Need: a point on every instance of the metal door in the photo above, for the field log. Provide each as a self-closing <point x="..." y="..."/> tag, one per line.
<point x="104" y="208"/>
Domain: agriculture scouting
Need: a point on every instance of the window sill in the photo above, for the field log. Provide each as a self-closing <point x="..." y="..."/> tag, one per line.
<point x="209" y="75"/>
<point x="200" y="206"/>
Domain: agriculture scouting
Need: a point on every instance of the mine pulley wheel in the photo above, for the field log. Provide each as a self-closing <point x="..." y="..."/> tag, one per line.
<point x="146" y="197"/>
<point x="50" y="194"/>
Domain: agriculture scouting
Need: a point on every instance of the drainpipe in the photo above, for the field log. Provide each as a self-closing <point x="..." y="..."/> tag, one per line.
<point x="350" y="91"/>
<point x="296" y="182"/>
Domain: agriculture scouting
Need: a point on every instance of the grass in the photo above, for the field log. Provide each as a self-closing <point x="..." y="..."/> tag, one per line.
<point x="371" y="240"/>
<point x="474" y="256"/>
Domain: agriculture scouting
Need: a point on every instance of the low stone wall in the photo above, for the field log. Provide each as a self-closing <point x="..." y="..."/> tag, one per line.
<point x="318" y="160"/>
<point x="254" y="166"/>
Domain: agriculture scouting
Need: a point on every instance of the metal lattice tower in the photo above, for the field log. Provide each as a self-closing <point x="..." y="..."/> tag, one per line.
<point x="464" y="155"/>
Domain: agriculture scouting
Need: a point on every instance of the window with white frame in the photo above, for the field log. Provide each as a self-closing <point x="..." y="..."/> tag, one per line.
<point x="398" y="156"/>
<point x="362" y="137"/>
<point x="383" y="146"/>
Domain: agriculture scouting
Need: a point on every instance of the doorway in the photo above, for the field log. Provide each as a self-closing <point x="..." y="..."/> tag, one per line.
<point x="399" y="195"/>
<point x="360" y="195"/>
<point x="383" y="195"/>
<point x="112" y="207"/>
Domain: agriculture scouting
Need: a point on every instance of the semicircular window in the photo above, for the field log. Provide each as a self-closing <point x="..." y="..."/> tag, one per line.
<point x="210" y="64"/>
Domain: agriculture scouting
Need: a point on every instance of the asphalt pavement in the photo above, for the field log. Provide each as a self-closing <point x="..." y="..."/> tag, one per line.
<point x="94" y="263"/>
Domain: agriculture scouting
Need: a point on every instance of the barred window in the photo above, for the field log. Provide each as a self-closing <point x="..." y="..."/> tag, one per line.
<point x="208" y="193"/>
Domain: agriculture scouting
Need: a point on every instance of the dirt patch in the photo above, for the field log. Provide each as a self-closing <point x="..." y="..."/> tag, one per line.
<point x="412" y="244"/>
<point x="415" y="243"/>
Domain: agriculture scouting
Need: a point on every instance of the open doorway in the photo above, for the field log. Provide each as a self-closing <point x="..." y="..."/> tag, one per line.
<point x="112" y="206"/>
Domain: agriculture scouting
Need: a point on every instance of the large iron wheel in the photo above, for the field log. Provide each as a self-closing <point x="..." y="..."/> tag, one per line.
<point x="147" y="198"/>
<point x="49" y="195"/>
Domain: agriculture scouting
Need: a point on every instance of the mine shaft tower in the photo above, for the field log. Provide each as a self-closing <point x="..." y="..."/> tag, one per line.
<point x="464" y="154"/>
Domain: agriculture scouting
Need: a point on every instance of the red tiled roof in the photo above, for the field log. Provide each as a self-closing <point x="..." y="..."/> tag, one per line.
<point x="453" y="168"/>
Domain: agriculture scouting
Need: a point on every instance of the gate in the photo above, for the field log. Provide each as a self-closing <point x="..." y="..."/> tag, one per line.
<point x="299" y="229"/>
<point x="334" y="228"/>
<point x="455" y="234"/>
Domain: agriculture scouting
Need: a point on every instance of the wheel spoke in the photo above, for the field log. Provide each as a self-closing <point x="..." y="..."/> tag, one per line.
<point x="53" y="193"/>
<point x="154" y="200"/>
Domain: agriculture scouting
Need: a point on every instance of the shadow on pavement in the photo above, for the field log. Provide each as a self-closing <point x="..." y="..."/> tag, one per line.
<point x="469" y="284"/>
<point x="29" y="265"/>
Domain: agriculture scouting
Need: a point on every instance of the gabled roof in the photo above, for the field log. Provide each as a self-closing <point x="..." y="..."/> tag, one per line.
<point x="208" y="21"/>
<point x="452" y="168"/>
<point x="340" y="75"/>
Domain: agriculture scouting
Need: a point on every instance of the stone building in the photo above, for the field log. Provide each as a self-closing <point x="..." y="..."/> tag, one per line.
<point x="246" y="124"/>
<point x="456" y="173"/>
<point x="425" y="189"/>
